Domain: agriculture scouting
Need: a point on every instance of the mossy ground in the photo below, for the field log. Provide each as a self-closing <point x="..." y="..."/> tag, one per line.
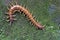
<point x="22" y="29"/>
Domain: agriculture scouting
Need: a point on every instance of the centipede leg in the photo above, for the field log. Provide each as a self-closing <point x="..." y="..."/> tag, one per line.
<point x="14" y="15"/>
<point x="16" y="3"/>
<point x="8" y="17"/>
<point x="6" y="13"/>
<point x="7" y="20"/>
<point x="15" y="19"/>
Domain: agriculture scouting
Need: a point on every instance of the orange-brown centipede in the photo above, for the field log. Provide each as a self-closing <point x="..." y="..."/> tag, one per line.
<point x="19" y="8"/>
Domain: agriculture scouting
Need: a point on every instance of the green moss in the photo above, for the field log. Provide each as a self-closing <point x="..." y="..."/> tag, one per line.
<point x="22" y="29"/>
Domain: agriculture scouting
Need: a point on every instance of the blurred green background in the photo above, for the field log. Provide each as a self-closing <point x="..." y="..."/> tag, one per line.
<point x="47" y="12"/>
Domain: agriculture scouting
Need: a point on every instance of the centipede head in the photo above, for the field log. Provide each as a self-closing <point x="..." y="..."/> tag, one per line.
<point x="11" y="21"/>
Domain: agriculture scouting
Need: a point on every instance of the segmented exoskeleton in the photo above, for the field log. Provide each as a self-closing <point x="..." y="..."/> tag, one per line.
<point x="19" y="8"/>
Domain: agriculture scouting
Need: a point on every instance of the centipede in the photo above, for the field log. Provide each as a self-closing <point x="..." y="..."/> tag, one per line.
<point x="18" y="8"/>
